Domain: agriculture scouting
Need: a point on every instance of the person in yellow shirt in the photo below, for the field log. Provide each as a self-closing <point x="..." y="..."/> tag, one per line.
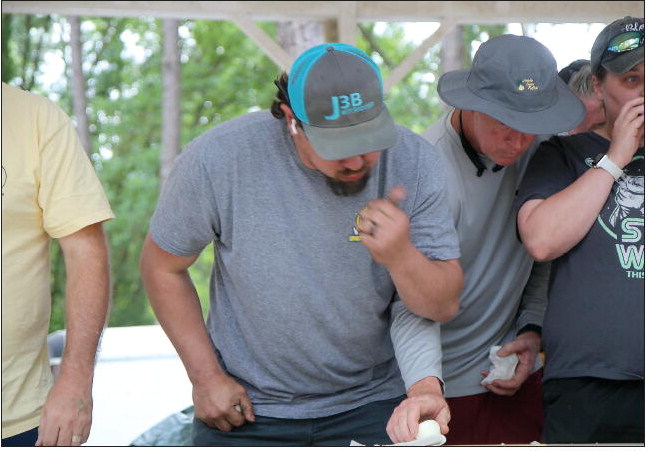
<point x="49" y="190"/>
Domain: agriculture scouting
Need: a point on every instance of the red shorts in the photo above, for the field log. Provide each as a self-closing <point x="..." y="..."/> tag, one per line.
<point x="490" y="419"/>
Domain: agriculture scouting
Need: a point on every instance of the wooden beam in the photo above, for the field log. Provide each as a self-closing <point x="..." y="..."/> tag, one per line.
<point x="347" y="21"/>
<point x="263" y="40"/>
<point x="404" y="68"/>
<point x="462" y="12"/>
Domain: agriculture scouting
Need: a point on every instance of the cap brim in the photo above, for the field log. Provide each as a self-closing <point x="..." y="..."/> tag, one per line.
<point x="338" y="143"/>
<point x="566" y="114"/>
<point x="624" y="62"/>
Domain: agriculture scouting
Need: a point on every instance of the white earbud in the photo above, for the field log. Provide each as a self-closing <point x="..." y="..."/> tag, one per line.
<point x="293" y="127"/>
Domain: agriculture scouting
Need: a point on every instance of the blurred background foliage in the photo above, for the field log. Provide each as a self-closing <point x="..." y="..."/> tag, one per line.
<point x="223" y="74"/>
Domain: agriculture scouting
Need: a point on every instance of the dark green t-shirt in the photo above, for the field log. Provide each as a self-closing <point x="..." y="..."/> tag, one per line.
<point x="594" y="323"/>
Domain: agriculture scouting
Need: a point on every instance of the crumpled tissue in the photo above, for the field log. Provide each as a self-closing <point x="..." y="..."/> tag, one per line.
<point x="501" y="367"/>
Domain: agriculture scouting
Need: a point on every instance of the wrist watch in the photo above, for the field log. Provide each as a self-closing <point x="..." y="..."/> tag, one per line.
<point x="601" y="161"/>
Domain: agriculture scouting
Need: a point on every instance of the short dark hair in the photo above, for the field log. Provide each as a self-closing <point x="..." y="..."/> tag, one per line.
<point x="281" y="97"/>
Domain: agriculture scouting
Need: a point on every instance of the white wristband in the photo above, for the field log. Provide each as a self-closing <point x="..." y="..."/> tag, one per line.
<point x="608" y="165"/>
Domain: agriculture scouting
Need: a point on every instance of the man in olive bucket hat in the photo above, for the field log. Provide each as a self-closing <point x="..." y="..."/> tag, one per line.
<point x="503" y="104"/>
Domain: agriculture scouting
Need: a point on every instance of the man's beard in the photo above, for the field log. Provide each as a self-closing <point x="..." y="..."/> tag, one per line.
<point x="341" y="188"/>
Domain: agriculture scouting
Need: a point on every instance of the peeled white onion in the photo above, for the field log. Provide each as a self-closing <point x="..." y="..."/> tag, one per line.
<point x="428" y="428"/>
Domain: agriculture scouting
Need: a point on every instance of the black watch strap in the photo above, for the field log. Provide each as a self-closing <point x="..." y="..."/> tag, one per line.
<point x="531" y="328"/>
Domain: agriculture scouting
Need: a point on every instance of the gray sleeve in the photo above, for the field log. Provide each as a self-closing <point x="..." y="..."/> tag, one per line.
<point x="534" y="297"/>
<point x="417" y="344"/>
<point x="431" y="225"/>
<point x="185" y="218"/>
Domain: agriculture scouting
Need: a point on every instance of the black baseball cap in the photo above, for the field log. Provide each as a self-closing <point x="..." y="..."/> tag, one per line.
<point x="568" y="71"/>
<point x="619" y="46"/>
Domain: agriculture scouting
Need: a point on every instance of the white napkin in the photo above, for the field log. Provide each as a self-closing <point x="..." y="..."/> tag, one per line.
<point x="501" y="367"/>
<point x="425" y="441"/>
<point x="429" y="434"/>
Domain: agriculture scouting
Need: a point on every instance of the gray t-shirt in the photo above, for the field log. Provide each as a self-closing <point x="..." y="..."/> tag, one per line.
<point x="299" y="312"/>
<point x="499" y="296"/>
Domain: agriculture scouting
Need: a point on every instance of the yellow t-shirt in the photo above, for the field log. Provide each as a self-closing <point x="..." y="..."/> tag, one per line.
<point x="49" y="189"/>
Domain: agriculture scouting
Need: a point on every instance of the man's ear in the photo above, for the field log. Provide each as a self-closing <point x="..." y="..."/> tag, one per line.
<point x="287" y="111"/>
<point x="291" y="122"/>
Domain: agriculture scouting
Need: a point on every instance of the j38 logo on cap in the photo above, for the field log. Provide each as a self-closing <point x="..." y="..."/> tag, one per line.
<point x="347" y="104"/>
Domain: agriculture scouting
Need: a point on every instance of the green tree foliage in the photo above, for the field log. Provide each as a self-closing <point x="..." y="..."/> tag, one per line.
<point x="413" y="102"/>
<point x="25" y="41"/>
<point x="224" y="74"/>
<point x="476" y="34"/>
<point x="8" y="66"/>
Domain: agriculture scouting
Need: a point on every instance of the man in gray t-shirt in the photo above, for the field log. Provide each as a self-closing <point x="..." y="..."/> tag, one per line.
<point x="330" y="227"/>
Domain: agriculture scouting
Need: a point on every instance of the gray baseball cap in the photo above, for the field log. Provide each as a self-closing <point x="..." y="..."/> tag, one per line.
<point x="619" y="46"/>
<point x="336" y="91"/>
<point x="514" y="79"/>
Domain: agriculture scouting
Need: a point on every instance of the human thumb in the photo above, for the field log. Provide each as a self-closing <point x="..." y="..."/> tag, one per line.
<point x="397" y="194"/>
